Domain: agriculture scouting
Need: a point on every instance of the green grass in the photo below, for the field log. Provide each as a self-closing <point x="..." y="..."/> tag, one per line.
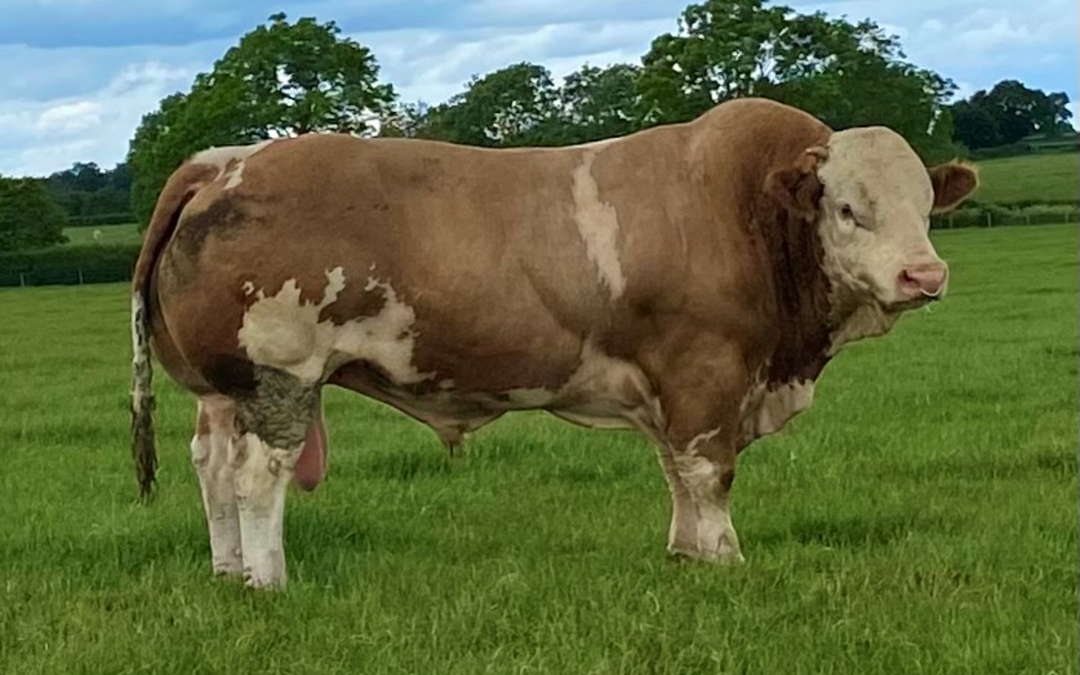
<point x="127" y="233"/>
<point x="1049" y="177"/>
<point x="922" y="518"/>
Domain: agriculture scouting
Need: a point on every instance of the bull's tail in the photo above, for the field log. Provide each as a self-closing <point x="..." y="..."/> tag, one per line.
<point x="180" y="188"/>
<point x="142" y="397"/>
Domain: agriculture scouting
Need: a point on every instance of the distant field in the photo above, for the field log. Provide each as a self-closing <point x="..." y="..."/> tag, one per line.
<point x="110" y="234"/>
<point x="1032" y="177"/>
<point x="920" y="519"/>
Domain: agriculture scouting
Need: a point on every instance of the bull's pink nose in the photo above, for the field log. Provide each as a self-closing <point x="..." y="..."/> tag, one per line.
<point x="924" y="280"/>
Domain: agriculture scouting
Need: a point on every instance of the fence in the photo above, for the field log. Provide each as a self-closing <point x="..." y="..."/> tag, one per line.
<point x="999" y="217"/>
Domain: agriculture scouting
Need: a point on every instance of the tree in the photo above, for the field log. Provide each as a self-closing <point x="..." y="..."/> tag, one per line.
<point x="596" y="103"/>
<point x="281" y="79"/>
<point x="514" y="106"/>
<point x="405" y="120"/>
<point x="845" y="73"/>
<point x="29" y="218"/>
<point x="1009" y="112"/>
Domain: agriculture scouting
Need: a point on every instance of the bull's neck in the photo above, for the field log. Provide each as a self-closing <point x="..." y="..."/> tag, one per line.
<point x="804" y="318"/>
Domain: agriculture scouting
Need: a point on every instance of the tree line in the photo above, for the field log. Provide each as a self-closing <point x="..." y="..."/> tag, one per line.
<point x="287" y="78"/>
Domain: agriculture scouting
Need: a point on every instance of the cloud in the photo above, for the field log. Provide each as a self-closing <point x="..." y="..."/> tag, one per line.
<point x="433" y="66"/>
<point x="79" y="74"/>
<point x="42" y="137"/>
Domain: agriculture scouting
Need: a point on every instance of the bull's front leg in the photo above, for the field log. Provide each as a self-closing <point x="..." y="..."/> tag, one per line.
<point x="701" y="525"/>
<point x="698" y="449"/>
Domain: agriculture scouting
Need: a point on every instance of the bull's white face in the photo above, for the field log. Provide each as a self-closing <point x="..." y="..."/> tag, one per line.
<point x="875" y="221"/>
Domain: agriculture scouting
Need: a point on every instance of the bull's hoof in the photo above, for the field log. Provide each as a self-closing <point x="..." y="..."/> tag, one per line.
<point x="229" y="565"/>
<point x="724" y="556"/>
<point x="266" y="571"/>
<point x="271" y="583"/>
<point x="228" y="569"/>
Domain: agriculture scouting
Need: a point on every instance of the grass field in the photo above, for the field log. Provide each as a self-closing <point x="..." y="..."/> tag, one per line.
<point x="127" y="233"/>
<point x="922" y="518"/>
<point x="1054" y="177"/>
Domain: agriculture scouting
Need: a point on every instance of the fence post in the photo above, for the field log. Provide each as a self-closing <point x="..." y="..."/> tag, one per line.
<point x="989" y="219"/>
<point x="22" y="279"/>
<point x="80" y="277"/>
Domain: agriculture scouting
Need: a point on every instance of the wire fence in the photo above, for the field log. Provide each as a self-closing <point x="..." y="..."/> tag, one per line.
<point x="1002" y="217"/>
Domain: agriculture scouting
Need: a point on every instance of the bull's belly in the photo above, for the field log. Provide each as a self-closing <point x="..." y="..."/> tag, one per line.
<point x="603" y="392"/>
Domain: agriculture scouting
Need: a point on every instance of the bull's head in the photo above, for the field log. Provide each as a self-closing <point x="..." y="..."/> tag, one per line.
<point x="872" y="198"/>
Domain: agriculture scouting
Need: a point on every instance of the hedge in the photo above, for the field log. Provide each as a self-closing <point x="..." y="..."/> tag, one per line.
<point x="120" y="218"/>
<point x="93" y="264"/>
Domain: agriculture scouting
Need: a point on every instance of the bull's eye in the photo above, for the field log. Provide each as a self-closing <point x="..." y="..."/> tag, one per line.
<point x="847" y="213"/>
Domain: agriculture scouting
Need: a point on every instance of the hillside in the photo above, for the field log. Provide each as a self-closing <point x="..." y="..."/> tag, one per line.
<point x="1049" y="177"/>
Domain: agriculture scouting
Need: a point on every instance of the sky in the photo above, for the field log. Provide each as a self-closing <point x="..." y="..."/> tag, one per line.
<point x="79" y="74"/>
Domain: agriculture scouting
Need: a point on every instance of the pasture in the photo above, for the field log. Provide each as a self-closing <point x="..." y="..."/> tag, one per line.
<point x="1038" y="178"/>
<point x="921" y="518"/>
<point x="127" y="233"/>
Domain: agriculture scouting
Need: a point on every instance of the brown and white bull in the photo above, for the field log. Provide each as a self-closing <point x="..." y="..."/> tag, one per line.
<point x="689" y="281"/>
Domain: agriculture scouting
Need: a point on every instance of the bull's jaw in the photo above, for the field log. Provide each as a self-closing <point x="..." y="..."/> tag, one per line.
<point x="867" y="320"/>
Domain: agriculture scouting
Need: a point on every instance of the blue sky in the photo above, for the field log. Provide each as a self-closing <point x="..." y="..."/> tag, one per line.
<point x="79" y="74"/>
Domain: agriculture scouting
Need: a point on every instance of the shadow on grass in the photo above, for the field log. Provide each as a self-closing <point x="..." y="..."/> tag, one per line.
<point x="855" y="531"/>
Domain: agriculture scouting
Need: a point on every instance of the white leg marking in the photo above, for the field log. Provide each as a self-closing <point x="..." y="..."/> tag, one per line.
<point x="715" y="534"/>
<point x="210" y="456"/>
<point x="682" y="533"/>
<point x="262" y="474"/>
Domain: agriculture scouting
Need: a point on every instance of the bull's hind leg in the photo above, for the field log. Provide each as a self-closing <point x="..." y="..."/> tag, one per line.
<point x="273" y="423"/>
<point x="215" y="428"/>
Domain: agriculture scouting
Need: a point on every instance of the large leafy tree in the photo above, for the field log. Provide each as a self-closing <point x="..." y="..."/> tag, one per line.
<point x="29" y="218"/>
<point x="514" y="106"/>
<point x="845" y="73"/>
<point x="281" y="79"/>
<point x="1007" y="113"/>
<point x="596" y="103"/>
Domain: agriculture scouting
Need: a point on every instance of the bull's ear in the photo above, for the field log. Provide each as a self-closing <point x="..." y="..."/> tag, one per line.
<point x="953" y="183"/>
<point x="797" y="187"/>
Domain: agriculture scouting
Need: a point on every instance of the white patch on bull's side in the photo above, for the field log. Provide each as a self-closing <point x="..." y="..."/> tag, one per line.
<point x="598" y="225"/>
<point x="284" y="331"/>
<point x="226" y="156"/>
<point x="716" y="537"/>
<point x="607" y="391"/>
<point x="876" y="173"/>
<point x="696" y="441"/>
